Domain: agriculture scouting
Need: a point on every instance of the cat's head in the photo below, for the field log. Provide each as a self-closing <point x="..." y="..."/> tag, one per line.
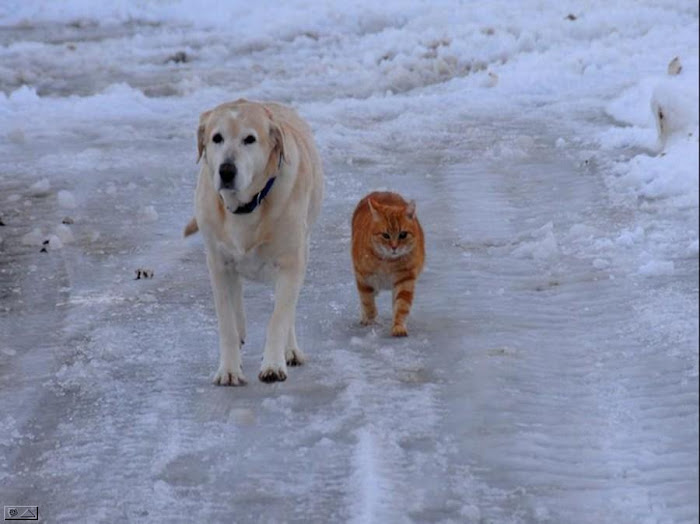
<point x="394" y="228"/>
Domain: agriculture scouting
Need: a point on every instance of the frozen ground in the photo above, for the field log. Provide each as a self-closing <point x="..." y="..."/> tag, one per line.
<point x="551" y="374"/>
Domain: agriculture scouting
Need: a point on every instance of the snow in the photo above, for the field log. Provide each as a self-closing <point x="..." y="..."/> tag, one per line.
<point x="551" y="372"/>
<point x="657" y="268"/>
<point x="66" y="199"/>
<point x="149" y="214"/>
<point x="41" y="187"/>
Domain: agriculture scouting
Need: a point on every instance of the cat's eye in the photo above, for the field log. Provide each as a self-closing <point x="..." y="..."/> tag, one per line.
<point x="217" y="138"/>
<point x="403" y="235"/>
<point x="386" y="235"/>
<point x="250" y="139"/>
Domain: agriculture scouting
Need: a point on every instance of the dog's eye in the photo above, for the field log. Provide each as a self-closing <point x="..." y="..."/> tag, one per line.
<point x="403" y="235"/>
<point x="217" y="138"/>
<point x="250" y="139"/>
<point x="386" y="235"/>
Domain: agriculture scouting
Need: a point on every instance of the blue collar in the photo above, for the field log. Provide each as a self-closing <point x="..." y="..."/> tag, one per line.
<point x="250" y="206"/>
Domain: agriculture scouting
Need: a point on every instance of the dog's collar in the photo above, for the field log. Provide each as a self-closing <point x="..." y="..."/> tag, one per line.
<point x="255" y="202"/>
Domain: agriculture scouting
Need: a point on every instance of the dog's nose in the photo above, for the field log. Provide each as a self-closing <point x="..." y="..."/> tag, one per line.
<point x="227" y="172"/>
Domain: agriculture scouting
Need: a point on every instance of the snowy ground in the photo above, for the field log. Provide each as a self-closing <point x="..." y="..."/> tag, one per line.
<point x="551" y="374"/>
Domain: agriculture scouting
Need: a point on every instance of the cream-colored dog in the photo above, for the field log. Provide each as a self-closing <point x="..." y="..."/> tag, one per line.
<point x="259" y="191"/>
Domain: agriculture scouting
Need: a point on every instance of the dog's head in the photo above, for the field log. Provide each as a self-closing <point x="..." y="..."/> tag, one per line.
<point x="243" y="147"/>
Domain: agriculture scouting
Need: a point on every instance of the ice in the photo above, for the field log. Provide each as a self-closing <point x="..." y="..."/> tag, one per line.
<point x="543" y="246"/>
<point x="66" y="199"/>
<point x="16" y="135"/>
<point x="41" y="187"/>
<point x="34" y="238"/>
<point x="64" y="234"/>
<point x="601" y="263"/>
<point x="655" y="268"/>
<point x="55" y="242"/>
<point x="149" y="214"/>
<point x="551" y="371"/>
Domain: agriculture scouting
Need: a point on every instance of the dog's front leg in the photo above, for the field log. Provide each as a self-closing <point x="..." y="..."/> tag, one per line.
<point x="227" y="287"/>
<point x="287" y="288"/>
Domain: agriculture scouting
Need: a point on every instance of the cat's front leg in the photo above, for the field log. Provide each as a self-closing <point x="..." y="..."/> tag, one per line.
<point x="368" y="308"/>
<point x="402" y="294"/>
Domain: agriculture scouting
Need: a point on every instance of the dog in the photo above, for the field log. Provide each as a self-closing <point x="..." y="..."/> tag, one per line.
<point x="259" y="191"/>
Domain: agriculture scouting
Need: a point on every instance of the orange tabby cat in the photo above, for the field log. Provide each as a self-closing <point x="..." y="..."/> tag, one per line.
<point x="388" y="252"/>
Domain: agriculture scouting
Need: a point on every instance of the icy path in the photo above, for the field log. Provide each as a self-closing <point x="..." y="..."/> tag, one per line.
<point x="533" y="387"/>
<point x="551" y="373"/>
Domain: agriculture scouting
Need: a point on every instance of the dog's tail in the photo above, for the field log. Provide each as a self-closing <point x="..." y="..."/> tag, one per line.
<point x="191" y="228"/>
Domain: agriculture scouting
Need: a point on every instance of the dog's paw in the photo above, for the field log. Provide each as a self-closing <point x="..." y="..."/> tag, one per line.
<point x="271" y="374"/>
<point x="294" y="357"/>
<point x="225" y="376"/>
<point x="399" y="330"/>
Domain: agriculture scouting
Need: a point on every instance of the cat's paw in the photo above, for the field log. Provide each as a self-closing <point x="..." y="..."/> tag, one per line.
<point x="294" y="357"/>
<point x="399" y="330"/>
<point x="367" y="321"/>
<point x="227" y="376"/>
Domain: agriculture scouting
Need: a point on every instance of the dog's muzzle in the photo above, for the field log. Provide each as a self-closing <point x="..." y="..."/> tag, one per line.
<point x="227" y="174"/>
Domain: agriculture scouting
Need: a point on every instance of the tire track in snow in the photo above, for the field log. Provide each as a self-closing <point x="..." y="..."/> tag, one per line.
<point x="555" y="428"/>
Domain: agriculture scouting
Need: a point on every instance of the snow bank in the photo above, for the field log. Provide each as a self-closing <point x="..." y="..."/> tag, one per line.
<point x="660" y="115"/>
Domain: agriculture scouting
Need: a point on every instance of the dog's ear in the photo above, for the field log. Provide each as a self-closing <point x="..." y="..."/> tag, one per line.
<point x="278" y="137"/>
<point x="203" y="118"/>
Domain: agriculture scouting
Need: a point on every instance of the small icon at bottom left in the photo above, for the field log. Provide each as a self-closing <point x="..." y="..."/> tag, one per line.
<point x="21" y="512"/>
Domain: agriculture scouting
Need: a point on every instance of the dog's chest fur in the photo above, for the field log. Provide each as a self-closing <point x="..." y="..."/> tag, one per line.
<point x="253" y="264"/>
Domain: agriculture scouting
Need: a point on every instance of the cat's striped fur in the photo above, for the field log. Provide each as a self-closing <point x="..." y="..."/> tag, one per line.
<point x="388" y="252"/>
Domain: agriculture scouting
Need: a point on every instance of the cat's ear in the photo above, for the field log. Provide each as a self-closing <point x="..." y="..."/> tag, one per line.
<point x="411" y="209"/>
<point x="373" y="209"/>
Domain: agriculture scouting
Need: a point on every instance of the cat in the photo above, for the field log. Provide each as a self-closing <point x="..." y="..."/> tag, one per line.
<point x="388" y="252"/>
